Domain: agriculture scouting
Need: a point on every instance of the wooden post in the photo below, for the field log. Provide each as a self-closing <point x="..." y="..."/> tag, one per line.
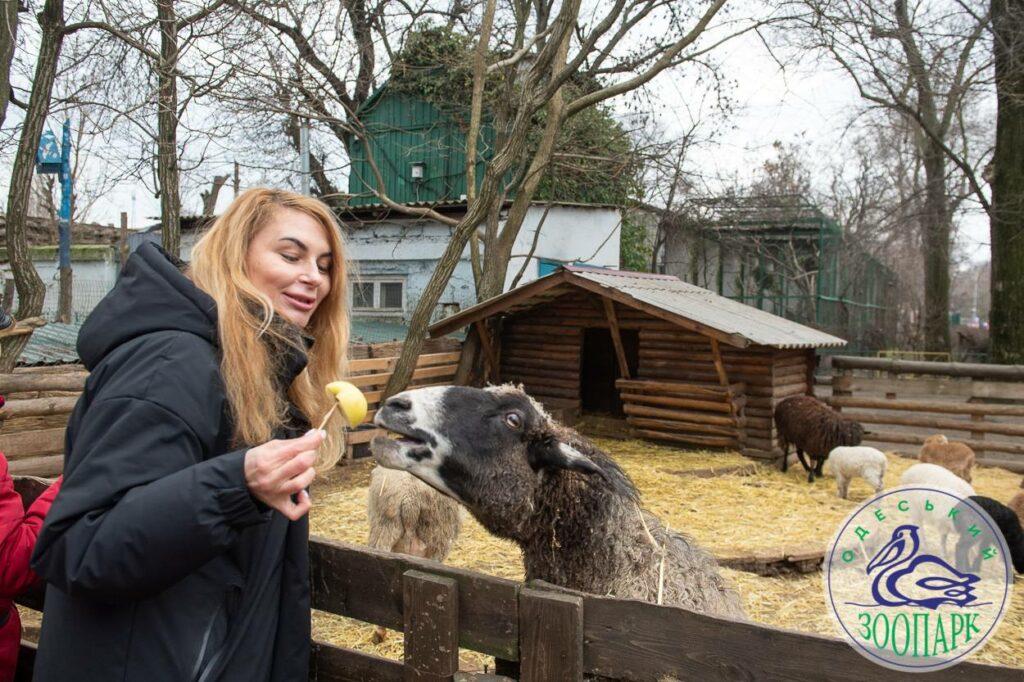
<point x="812" y="367"/>
<point x="550" y="636"/>
<point x="613" y="326"/>
<point x="431" y="610"/>
<point x="842" y="384"/>
<point x="490" y="356"/>
<point x="716" y="355"/>
<point x="977" y="435"/>
<point x="123" y="246"/>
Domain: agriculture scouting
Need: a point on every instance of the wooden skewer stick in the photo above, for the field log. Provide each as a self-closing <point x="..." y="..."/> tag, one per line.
<point x="328" y="415"/>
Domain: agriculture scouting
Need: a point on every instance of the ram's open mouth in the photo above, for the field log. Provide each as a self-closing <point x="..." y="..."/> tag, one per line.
<point x="405" y="438"/>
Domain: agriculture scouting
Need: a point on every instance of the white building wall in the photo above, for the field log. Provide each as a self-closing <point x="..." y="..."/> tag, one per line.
<point x="588" y="235"/>
<point x="409" y="249"/>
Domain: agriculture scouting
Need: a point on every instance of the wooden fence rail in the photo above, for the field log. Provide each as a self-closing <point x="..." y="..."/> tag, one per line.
<point x="975" y="404"/>
<point x="541" y="632"/>
<point x="32" y="426"/>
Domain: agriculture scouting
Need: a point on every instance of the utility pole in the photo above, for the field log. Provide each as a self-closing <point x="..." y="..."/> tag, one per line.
<point x="64" y="227"/>
<point x="304" y="155"/>
<point x="124" y="239"/>
<point x="236" y="183"/>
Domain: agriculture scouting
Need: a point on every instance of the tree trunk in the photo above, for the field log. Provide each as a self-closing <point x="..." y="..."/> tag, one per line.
<point x="31" y="291"/>
<point x="936" y="251"/>
<point x="499" y="251"/>
<point x="65" y="296"/>
<point x="167" y="128"/>
<point x="1007" y="217"/>
<point x="8" y="41"/>
<point x="489" y="192"/>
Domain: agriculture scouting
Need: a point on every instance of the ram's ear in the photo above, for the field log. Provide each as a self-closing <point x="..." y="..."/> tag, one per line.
<point x="549" y="454"/>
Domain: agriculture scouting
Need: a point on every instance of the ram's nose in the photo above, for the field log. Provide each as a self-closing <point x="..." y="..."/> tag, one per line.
<point x="395" y="410"/>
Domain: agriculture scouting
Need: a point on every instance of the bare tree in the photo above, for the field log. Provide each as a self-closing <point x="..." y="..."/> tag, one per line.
<point x="166" y="60"/>
<point x="8" y="42"/>
<point x="542" y="89"/>
<point x="925" y="63"/>
<point x="30" y="288"/>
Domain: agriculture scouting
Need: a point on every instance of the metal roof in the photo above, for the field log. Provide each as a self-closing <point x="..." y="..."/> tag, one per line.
<point x="55" y="343"/>
<point x="51" y="344"/>
<point x="663" y="296"/>
<point x="455" y="206"/>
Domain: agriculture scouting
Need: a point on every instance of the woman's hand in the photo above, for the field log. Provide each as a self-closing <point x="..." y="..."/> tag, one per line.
<point x="279" y="469"/>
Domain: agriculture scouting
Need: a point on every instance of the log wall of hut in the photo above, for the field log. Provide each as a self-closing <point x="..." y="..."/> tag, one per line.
<point x="765" y="376"/>
<point x="675" y="393"/>
<point x="540" y="348"/>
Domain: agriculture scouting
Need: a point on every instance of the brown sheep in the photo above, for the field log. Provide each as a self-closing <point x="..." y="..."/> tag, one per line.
<point x="957" y="457"/>
<point x="815" y="428"/>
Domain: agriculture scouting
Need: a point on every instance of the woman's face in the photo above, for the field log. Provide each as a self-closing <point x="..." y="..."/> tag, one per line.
<point x="290" y="261"/>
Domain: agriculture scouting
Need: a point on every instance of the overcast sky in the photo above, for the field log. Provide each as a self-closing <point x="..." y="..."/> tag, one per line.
<point x="806" y="100"/>
<point x="810" y="100"/>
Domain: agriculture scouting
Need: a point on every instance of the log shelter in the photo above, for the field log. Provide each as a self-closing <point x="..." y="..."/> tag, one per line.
<point x="680" y="363"/>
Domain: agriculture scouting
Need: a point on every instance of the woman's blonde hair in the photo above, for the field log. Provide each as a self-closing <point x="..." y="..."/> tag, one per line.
<point x="249" y="333"/>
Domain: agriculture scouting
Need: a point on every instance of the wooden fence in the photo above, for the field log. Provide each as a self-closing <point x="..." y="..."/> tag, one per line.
<point x="40" y="400"/>
<point x="902" y="403"/>
<point x="542" y="633"/>
<point x="372" y="374"/>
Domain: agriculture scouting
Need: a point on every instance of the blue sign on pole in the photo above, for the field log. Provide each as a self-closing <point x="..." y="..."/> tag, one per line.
<point x="48" y="156"/>
<point x="52" y="157"/>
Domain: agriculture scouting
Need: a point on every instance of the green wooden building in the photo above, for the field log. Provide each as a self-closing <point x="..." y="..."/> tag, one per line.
<point x="419" y="149"/>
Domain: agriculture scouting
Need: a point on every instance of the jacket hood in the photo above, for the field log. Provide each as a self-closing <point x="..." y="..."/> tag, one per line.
<point x="151" y="295"/>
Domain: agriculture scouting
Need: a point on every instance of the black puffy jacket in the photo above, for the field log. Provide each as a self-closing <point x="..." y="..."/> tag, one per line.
<point x="160" y="565"/>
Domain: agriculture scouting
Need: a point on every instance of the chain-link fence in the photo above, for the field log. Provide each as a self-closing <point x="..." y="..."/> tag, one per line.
<point x="86" y="293"/>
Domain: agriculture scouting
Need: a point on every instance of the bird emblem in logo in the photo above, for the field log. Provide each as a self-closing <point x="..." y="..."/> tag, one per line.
<point x="905" y="577"/>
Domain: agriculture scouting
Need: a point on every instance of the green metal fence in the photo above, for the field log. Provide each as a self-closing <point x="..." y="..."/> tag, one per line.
<point x="783" y="255"/>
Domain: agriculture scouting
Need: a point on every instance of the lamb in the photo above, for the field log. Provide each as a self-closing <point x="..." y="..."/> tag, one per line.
<point x="933" y="476"/>
<point x="1009" y="525"/>
<point x="574" y="513"/>
<point x="846" y="463"/>
<point x="812" y="426"/>
<point x="927" y="474"/>
<point x="408" y="516"/>
<point x="957" y="457"/>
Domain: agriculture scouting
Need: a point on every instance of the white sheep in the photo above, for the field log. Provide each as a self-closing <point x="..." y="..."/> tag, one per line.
<point x="935" y="476"/>
<point x="848" y="462"/>
<point x="409" y="517"/>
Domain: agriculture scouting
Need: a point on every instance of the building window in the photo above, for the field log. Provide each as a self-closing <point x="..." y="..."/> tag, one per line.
<point x="362" y="295"/>
<point x="391" y="295"/>
<point x="386" y="296"/>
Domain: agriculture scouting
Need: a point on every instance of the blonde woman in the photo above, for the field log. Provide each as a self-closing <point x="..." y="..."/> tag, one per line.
<point x="177" y="549"/>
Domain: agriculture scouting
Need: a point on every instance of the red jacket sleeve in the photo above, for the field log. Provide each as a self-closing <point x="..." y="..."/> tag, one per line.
<point x="18" y="532"/>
